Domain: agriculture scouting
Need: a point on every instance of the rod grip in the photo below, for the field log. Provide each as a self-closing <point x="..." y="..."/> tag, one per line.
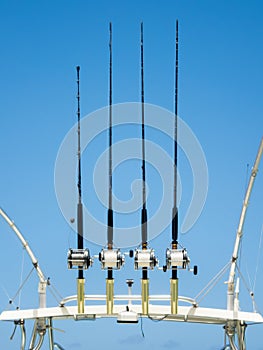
<point x="175" y="225"/>
<point x="110" y="227"/>
<point x="144" y="225"/>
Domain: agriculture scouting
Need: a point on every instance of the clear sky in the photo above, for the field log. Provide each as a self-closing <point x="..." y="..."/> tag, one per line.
<point x="220" y="98"/>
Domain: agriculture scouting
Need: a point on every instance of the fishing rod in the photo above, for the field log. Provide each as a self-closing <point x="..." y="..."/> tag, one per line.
<point x="79" y="258"/>
<point x="176" y="258"/>
<point x="145" y="280"/>
<point x="79" y="207"/>
<point x="110" y="258"/>
<point x="110" y="211"/>
<point x="144" y="209"/>
<point x="174" y="279"/>
<point x="175" y="209"/>
<point x="144" y="258"/>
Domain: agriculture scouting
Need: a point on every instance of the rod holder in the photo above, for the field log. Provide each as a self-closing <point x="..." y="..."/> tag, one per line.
<point x="109" y="295"/>
<point x="145" y="296"/>
<point x="81" y="294"/>
<point x="174" y="295"/>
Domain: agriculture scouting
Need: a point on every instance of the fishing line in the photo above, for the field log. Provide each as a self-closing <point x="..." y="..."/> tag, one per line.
<point x="142" y="332"/>
<point x="21" y="286"/>
<point x="249" y="279"/>
<point x="251" y="293"/>
<point x="55" y="293"/>
<point x="9" y="299"/>
<point x="21" y="276"/>
<point x="210" y="285"/>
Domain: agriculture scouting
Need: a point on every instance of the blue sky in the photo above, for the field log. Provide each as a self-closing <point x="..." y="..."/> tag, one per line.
<point x="220" y="98"/>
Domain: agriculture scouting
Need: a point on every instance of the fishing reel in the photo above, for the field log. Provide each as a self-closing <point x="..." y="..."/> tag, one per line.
<point x="111" y="259"/>
<point x="178" y="259"/>
<point x="145" y="258"/>
<point x="79" y="259"/>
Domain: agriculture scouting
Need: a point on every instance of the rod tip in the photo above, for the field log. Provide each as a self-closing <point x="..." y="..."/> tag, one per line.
<point x="78" y="68"/>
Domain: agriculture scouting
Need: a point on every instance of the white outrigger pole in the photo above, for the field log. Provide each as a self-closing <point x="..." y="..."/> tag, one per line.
<point x="42" y="279"/>
<point x="233" y="290"/>
<point x="231" y="280"/>
<point x="40" y="324"/>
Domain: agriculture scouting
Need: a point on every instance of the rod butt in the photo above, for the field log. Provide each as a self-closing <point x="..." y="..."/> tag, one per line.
<point x="109" y="295"/>
<point x="81" y="295"/>
<point x="174" y="295"/>
<point x="145" y="296"/>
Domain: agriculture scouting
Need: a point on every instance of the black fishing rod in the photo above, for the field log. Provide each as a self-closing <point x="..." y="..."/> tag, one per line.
<point x="79" y="258"/>
<point x="144" y="258"/>
<point x="176" y="258"/>
<point x="80" y="207"/>
<point x="144" y="209"/>
<point x="110" y="258"/>
<point x="175" y="209"/>
<point x="80" y="280"/>
<point x="173" y="255"/>
<point x="144" y="252"/>
<point x="110" y="211"/>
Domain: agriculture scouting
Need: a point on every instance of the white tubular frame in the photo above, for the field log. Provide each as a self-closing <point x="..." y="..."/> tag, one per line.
<point x="25" y="245"/>
<point x="234" y="320"/>
<point x="40" y="324"/>
<point x="192" y="314"/>
<point x="231" y="279"/>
